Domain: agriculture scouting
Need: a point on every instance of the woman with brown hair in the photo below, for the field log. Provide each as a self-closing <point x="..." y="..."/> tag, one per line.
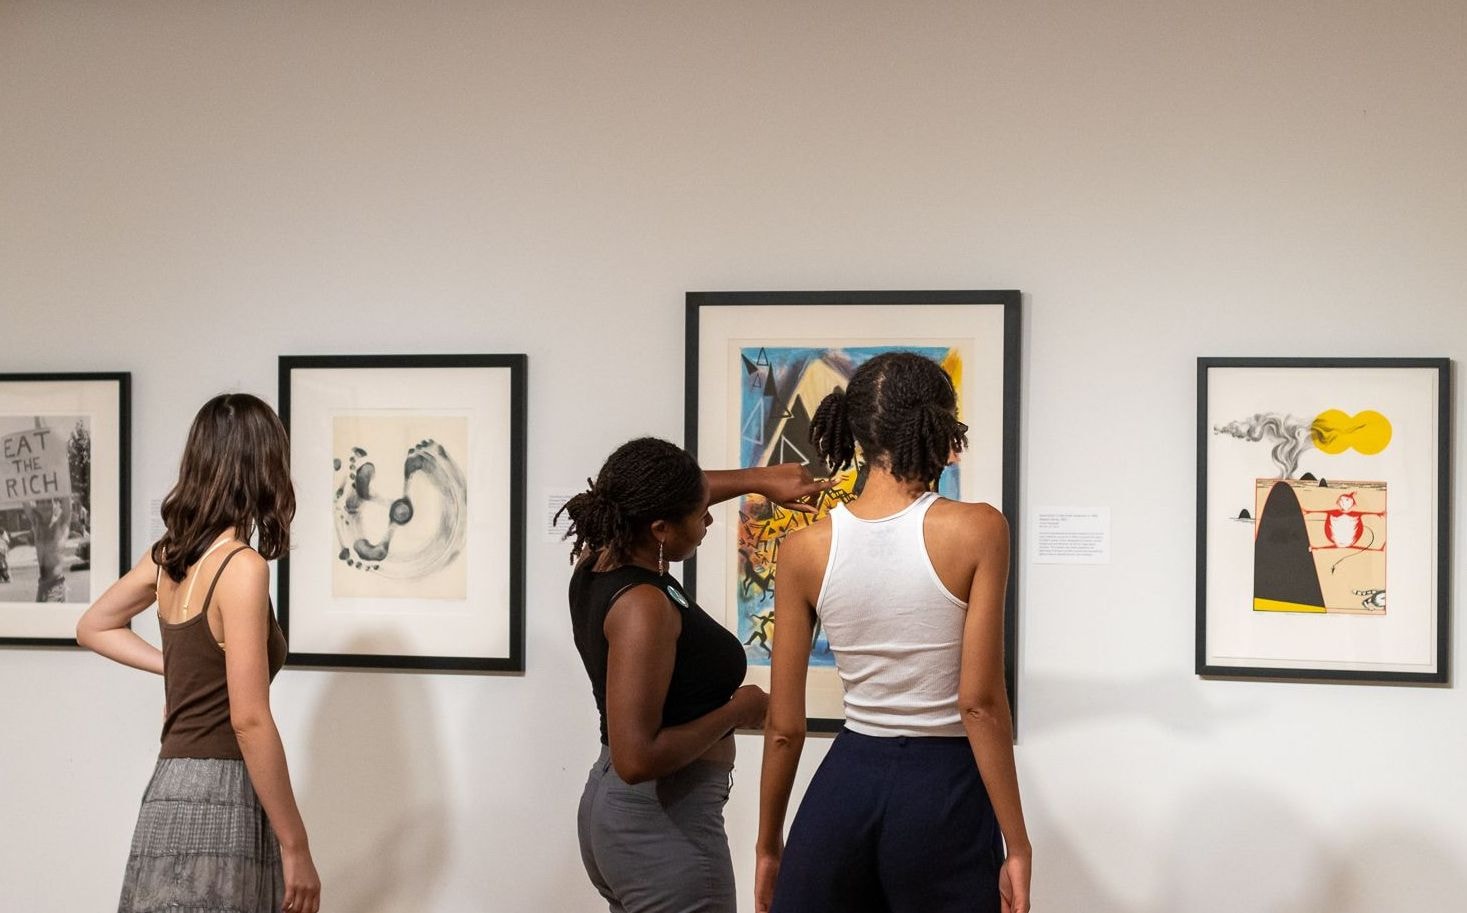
<point x="219" y="829"/>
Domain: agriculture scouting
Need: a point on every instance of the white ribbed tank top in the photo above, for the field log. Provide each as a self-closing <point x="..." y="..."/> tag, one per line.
<point x="895" y="630"/>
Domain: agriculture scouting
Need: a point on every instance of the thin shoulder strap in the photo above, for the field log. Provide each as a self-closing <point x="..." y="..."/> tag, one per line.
<point x="188" y="595"/>
<point x="209" y="596"/>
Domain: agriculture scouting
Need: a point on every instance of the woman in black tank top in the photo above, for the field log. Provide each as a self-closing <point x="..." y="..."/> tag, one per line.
<point x="665" y="676"/>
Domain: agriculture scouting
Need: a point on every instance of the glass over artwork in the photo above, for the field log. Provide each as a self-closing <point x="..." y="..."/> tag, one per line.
<point x="408" y="541"/>
<point x="63" y="500"/>
<point x="783" y="388"/>
<point x="1322" y="518"/>
<point x="758" y="366"/>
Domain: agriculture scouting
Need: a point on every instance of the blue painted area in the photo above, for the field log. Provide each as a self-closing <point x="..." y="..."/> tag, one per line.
<point x="758" y="414"/>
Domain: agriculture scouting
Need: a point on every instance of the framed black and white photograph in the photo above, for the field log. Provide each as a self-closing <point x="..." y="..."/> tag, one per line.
<point x="408" y="545"/>
<point x="1323" y="518"/>
<point x="758" y="365"/>
<point x="63" y="500"/>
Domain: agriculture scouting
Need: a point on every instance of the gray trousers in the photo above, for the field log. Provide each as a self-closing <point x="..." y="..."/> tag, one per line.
<point x="659" y="846"/>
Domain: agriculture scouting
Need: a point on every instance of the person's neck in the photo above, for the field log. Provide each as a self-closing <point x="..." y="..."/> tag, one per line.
<point x="639" y="556"/>
<point x="229" y="534"/>
<point x="884" y="494"/>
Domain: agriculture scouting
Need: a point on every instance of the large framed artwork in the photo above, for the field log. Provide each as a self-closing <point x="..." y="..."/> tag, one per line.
<point x="408" y="543"/>
<point x="758" y="364"/>
<point x="63" y="500"/>
<point x="1323" y="502"/>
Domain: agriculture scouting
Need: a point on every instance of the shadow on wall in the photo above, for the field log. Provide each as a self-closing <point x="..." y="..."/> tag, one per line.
<point x="373" y="794"/>
<point x="1238" y="847"/>
<point x="1055" y="702"/>
<point x="1065" y="880"/>
<point x="1232" y="845"/>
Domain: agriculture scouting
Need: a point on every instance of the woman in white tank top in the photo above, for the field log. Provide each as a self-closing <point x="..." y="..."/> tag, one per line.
<point x="916" y="806"/>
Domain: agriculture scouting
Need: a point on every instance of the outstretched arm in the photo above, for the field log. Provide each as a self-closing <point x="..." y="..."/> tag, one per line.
<point x="103" y="628"/>
<point x="784" y="735"/>
<point x="784" y="483"/>
<point x="984" y="703"/>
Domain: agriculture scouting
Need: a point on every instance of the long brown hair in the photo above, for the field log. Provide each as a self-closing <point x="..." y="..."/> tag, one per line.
<point x="235" y="475"/>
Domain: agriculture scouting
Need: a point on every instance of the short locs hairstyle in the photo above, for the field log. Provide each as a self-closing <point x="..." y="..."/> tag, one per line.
<point x="901" y="409"/>
<point x="642" y="481"/>
<point x="235" y="475"/>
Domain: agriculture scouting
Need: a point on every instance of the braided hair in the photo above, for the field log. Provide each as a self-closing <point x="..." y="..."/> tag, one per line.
<point x="643" y="480"/>
<point x="901" y="409"/>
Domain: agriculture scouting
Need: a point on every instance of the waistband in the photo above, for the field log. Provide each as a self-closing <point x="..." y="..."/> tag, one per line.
<point x="713" y="770"/>
<point x="851" y="740"/>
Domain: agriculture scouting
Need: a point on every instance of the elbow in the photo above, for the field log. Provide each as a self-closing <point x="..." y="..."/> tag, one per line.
<point x="633" y="760"/>
<point x="785" y="736"/>
<point x="984" y="712"/>
<point x="86" y="634"/>
<point x="633" y="770"/>
<point x="249" y="723"/>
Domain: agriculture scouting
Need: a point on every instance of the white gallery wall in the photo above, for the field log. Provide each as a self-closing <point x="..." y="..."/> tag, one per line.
<point x="188" y="190"/>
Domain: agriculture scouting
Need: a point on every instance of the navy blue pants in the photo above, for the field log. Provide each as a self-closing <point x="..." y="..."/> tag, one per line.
<point x="892" y="825"/>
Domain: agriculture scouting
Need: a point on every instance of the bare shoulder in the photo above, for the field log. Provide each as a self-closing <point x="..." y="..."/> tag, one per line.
<point x="248" y="563"/>
<point x="807" y="542"/>
<point x="643" y="609"/>
<point x="976" y="521"/>
<point x="245" y="579"/>
<point x="145" y="567"/>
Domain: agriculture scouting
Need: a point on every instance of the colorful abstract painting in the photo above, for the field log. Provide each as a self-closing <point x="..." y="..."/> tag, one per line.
<point x="782" y="388"/>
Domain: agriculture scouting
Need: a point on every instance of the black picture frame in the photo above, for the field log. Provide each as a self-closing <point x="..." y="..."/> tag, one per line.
<point x="104" y="398"/>
<point x="1416" y="396"/>
<point x="871" y="313"/>
<point x="503" y="445"/>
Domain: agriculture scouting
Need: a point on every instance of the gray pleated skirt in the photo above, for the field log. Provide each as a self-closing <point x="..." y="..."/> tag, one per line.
<point x="202" y="844"/>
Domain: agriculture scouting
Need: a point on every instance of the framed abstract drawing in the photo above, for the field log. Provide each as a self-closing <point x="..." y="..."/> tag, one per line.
<point x="64" y="441"/>
<point x="758" y="364"/>
<point x="1323" y="502"/>
<point x="409" y="535"/>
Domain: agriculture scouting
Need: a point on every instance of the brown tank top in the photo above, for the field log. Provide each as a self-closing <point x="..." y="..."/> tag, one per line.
<point x="197" y="724"/>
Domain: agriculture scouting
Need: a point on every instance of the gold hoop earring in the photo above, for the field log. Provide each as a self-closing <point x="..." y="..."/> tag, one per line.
<point x="661" y="565"/>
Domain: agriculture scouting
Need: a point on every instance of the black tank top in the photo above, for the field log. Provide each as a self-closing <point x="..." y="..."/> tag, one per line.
<point x="710" y="663"/>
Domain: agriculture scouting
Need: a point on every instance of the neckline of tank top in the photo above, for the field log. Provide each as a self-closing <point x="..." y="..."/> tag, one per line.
<point x="192" y="619"/>
<point x="922" y="498"/>
<point x="646" y="570"/>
